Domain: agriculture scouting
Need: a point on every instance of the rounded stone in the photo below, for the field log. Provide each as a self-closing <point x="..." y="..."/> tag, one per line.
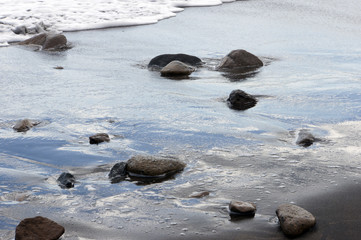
<point x="241" y="100"/>
<point x="238" y="59"/>
<point x="23" y="125"/>
<point x="243" y="208"/>
<point x="99" y="138"/>
<point x="177" y="69"/>
<point x="164" y="59"/>
<point x="39" y="228"/>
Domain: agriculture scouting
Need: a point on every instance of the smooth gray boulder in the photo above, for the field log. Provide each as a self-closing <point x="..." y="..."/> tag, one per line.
<point x="47" y="41"/>
<point x="154" y="166"/>
<point x="23" y="125"/>
<point x="39" y="228"/>
<point x="242" y="208"/>
<point x="99" y="138"/>
<point x="164" y="59"/>
<point x="241" y="100"/>
<point x="294" y="220"/>
<point x="239" y="59"/>
<point x="177" y="69"/>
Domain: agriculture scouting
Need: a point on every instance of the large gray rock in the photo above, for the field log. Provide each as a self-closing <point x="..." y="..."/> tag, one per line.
<point x="47" y="41"/>
<point x="241" y="100"/>
<point x="242" y="208"/>
<point x="38" y="228"/>
<point x="177" y="69"/>
<point x="154" y="166"/>
<point x="239" y="59"/>
<point x="23" y="125"/>
<point x="164" y="59"/>
<point x="294" y="220"/>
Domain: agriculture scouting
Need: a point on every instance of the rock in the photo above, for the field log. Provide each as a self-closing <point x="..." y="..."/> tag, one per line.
<point x="241" y="100"/>
<point x="23" y="125"/>
<point x="177" y="69"/>
<point x="99" y="138"/>
<point x="199" y="194"/>
<point x="305" y="139"/>
<point x="163" y="60"/>
<point x="294" y="220"/>
<point x="66" y="180"/>
<point x="118" y="172"/>
<point x="59" y="67"/>
<point x="20" y="30"/>
<point x="242" y="208"/>
<point x="154" y="166"/>
<point x="38" y="228"/>
<point x="239" y="59"/>
<point x="47" y="41"/>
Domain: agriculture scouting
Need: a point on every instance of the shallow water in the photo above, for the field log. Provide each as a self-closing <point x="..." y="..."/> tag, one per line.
<point x="311" y="80"/>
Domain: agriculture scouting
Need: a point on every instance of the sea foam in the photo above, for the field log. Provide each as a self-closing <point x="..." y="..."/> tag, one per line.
<point x="77" y="15"/>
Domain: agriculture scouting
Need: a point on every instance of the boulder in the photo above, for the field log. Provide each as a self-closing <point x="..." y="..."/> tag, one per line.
<point x="239" y="59"/>
<point x="241" y="100"/>
<point x="23" y="125"/>
<point x="99" y="138"/>
<point x="177" y="69"/>
<point x="305" y="138"/>
<point x="162" y="60"/>
<point x="118" y="172"/>
<point x="47" y="41"/>
<point x="154" y="166"/>
<point x="66" y="180"/>
<point x="294" y="220"/>
<point x="242" y="208"/>
<point x="38" y="228"/>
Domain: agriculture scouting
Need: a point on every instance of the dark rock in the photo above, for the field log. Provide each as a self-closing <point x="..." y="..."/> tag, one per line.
<point x="162" y="60"/>
<point x="66" y="180"/>
<point x="177" y="69"/>
<point x="59" y="67"/>
<point x="199" y="194"/>
<point x="154" y="166"/>
<point x="242" y="208"/>
<point x="294" y="220"/>
<point x="20" y="30"/>
<point x="305" y="138"/>
<point x="239" y="59"/>
<point x="118" y="172"/>
<point x="47" y="41"/>
<point x="99" y="138"/>
<point x="241" y="100"/>
<point x="23" y="125"/>
<point x="38" y="228"/>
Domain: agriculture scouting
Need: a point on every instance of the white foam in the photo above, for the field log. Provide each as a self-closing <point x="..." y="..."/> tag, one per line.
<point x="76" y="15"/>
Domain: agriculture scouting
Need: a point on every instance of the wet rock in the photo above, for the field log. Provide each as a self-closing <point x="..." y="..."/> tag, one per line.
<point x="38" y="228"/>
<point x="199" y="194"/>
<point x="20" y="30"/>
<point x="66" y="180"/>
<point x="154" y="166"/>
<point x="177" y="69"/>
<point x="242" y="208"/>
<point x="23" y="125"/>
<point x="305" y="138"/>
<point x="163" y="60"/>
<point x="59" y="67"/>
<point x="99" y="138"/>
<point x="294" y="220"/>
<point x="118" y="172"/>
<point x="241" y="100"/>
<point x="239" y="59"/>
<point x="47" y="41"/>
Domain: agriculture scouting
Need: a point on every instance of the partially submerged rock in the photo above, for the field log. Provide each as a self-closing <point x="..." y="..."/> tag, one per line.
<point x="177" y="69"/>
<point x="39" y="228"/>
<point x="118" y="172"/>
<point x="99" y="138"/>
<point x="305" y="138"/>
<point x="154" y="166"/>
<point x="294" y="220"/>
<point x="66" y="180"/>
<point x="164" y="59"/>
<point x="199" y="194"/>
<point x="242" y="208"/>
<point x="23" y="125"/>
<point x="239" y="59"/>
<point x="241" y="100"/>
<point x="47" y="41"/>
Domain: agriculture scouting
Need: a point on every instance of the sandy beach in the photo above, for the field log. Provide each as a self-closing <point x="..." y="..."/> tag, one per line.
<point x="307" y="82"/>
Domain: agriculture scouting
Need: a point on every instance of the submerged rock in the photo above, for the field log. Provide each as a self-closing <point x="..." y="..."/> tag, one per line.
<point x="162" y="60"/>
<point x="66" y="180"/>
<point x="154" y="166"/>
<point x="177" y="69"/>
<point x="99" y="138"/>
<point x="47" y="41"/>
<point x="294" y="220"/>
<point x="239" y="59"/>
<point x="38" y="228"/>
<point x="23" y="125"/>
<point x="118" y="172"/>
<point x="241" y="100"/>
<point x="305" y="138"/>
<point x="242" y="208"/>
<point x="199" y="194"/>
